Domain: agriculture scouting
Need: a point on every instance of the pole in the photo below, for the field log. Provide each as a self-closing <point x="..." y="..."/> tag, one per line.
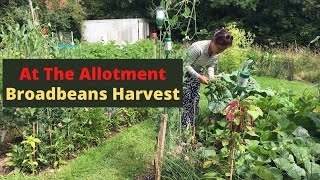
<point x="32" y="11"/>
<point x="160" y="44"/>
<point x="160" y="146"/>
<point x="154" y="49"/>
<point x="72" y="42"/>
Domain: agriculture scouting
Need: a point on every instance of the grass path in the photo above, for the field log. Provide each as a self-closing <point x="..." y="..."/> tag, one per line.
<point x="298" y="87"/>
<point x="124" y="156"/>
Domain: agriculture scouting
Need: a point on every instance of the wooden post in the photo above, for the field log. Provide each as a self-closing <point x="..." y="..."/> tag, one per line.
<point x="32" y="11"/>
<point x="160" y="44"/>
<point x="33" y="129"/>
<point x="160" y="146"/>
<point x="290" y="70"/>
<point x="34" y="132"/>
<point x="154" y="42"/>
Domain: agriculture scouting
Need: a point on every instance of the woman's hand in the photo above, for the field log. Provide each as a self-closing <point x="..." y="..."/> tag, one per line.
<point x="203" y="80"/>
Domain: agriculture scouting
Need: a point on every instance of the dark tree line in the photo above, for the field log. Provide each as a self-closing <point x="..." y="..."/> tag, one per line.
<point x="285" y="21"/>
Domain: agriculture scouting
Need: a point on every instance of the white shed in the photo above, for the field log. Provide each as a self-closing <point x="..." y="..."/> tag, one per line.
<point x="119" y="30"/>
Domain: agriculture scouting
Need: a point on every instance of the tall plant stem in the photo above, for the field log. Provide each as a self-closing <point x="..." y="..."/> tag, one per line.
<point x="232" y="158"/>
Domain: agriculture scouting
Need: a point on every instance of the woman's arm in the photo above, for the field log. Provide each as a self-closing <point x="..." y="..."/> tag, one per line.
<point x="211" y="72"/>
<point x="210" y="68"/>
<point x="193" y="53"/>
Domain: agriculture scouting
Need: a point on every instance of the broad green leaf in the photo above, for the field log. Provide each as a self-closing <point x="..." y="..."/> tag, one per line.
<point x="33" y="144"/>
<point x="224" y="152"/>
<point x="209" y="175"/>
<point x="241" y="148"/>
<point x="255" y="150"/>
<point x="209" y="153"/>
<point x="289" y="128"/>
<point x="236" y="121"/>
<point x="36" y="140"/>
<point x="225" y="142"/>
<point x="186" y="12"/>
<point x="226" y="77"/>
<point x="315" y="116"/>
<point x="262" y="124"/>
<point x="291" y="158"/>
<point x="268" y="136"/>
<point x="314" y="147"/>
<point x="223" y="123"/>
<point x="216" y="107"/>
<point x="66" y="120"/>
<point x="9" y="154"/>
<point x="252" y="142"/>
<point x="301" y="132"/>
<point x="263" y="150"/>
<point x="268" y="173"/>
<point x="11" y="163"/>
<point x="55" y="164"/>
<point x="227" y="94"/>
<point x="219" y="132"/>
<point x="283" y="123"/>
<point x="251" y="131"/>
<point x="263" y="159"/>
<point x="249" y="157"/>
<point x="301" y="153"/>
<point x="175" y="18"/>
<point x="292" y="169"/>
<point x="255" y="113"/>
<point x="207" y="164"/>
<point x="313" y="170"/>
<point x="203" y="32"/>
<point x="33" y="163"/>
<point x="240" y="161"/>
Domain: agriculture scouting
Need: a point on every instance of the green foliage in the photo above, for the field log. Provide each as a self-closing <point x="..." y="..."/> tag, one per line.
<point x="278" y="146"/>
<point x="111" y="50"/>
<point x="299" y="63"/>
<point x="66" y="17"/>
<point x="247" y="4"/>
<point x="232" y="58"/>
<point x="63" y="19"/>
<point x="26" y="41"/>
<point x="224" y="89"/>
<point x="64" y="132"/>
<point x="23" y="156"/>
<point x="178" y="168"/>
<point x="124" y="156"/>
<point x="282" y="23"/>
<point x="181" y="19"/>
<point x="13" y="12"/>
<point x="100" y="9"/>
<point x="292" y="21"/>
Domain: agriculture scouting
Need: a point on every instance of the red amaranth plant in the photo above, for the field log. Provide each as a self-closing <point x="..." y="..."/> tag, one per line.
<point x="234" y="110"/>
<point x="237" y="113"/>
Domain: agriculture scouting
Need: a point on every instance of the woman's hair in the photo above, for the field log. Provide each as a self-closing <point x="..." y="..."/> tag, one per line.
<point x="222" y="37"/>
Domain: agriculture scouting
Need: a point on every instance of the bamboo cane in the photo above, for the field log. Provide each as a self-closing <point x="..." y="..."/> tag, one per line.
<point x="32" y="11"/>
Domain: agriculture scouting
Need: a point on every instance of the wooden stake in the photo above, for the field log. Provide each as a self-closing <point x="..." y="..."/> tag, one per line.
<point x="32" y="11"/>
<point x="160" y="146"/>
<point x="34" y="129"/>
<point x="290" y="70"/>
<point x="154" y="45"/>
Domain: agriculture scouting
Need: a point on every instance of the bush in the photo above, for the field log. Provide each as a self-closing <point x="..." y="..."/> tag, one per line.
<point x="232" y="58"/>
<point x="290" y="63"/>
